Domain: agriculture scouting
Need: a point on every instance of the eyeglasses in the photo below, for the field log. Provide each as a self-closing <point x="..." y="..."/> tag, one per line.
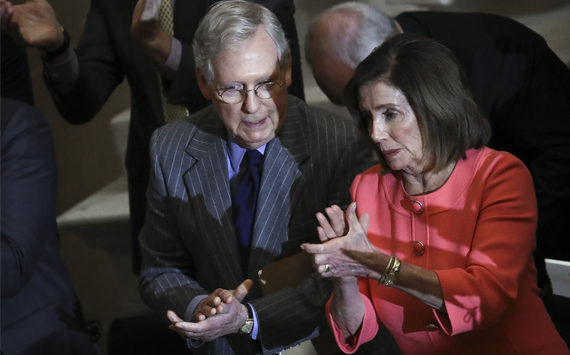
<point x="263" y="91"/>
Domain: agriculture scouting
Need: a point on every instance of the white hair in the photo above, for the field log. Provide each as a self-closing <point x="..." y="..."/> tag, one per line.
<point x="373" y="28"/>
<point x="230" y="24"/>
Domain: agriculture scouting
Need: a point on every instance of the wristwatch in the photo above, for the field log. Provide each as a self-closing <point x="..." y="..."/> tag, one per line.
<point x="393" y="273"/>
<point x="247" y="327"/>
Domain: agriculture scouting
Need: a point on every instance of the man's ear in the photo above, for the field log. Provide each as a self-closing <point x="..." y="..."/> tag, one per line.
<point x="203" y="84"/>
<point x="288" y="72"/>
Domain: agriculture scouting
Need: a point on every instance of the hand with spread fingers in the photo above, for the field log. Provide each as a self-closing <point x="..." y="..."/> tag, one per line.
<point x="146" y="30"/>
<point x="219" y="314"/>
<point x="32" y="23"/>
<point x="344" y="252"/>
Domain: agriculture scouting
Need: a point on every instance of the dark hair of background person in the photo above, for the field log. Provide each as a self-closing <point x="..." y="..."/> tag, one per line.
<point x="436" y="88"/>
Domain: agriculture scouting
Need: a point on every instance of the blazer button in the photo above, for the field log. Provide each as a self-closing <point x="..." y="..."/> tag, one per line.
<point x="432" y="327"/>
<point x="418" y="248"/>
<point x="417" y="207"/>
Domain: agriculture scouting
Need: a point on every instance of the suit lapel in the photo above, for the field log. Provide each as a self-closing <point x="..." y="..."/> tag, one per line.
<point x="206" y="181"/>
<point x="282" y="182"/>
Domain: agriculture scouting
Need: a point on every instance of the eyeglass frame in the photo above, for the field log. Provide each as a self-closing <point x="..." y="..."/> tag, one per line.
<point x="244" y="92"/>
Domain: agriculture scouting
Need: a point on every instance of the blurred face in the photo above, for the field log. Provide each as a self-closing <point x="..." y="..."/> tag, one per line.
<point x="332" y="75"/>
<point x="254" y="121"/>
<point x="393" y="126"/>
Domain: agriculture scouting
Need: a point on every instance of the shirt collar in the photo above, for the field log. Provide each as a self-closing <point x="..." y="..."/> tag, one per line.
<point x="236" y="153"/>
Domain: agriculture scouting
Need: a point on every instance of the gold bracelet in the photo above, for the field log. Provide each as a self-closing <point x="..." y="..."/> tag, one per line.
<point x="393" y="273"/>
<point x="388" y="267"/>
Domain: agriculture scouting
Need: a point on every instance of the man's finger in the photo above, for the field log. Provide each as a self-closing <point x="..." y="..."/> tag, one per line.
<point x="192" y="327"/>
<point x="150" y="10"/>
<point x="173" y="317"/>
<point x="243" y="289"/>
<point x="226" y="296"/>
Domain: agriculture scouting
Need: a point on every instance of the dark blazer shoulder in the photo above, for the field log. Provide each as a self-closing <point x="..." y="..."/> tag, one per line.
<point x="205" y="125"/>
<point x="470" y="26"/>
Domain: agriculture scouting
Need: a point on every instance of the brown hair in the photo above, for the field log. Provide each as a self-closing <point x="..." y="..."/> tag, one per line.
<point x="436" y="88"/>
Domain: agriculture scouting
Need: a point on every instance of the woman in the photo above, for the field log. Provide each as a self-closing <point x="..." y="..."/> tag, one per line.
<point x="445" y="260"/>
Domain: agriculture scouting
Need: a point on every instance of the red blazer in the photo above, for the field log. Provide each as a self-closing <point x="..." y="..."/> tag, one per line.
<point x="478" y="234"/>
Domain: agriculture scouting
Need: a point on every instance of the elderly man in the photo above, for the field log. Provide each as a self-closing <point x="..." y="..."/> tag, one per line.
<point x="236" y="186"/>
<point x="520" y="84"/>
<point x="154" y="55"/>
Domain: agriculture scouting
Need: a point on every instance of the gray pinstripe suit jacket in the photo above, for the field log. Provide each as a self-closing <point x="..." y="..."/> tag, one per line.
<point x="189" y="246"/>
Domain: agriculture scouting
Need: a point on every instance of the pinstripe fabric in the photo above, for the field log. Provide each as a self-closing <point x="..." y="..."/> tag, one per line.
<point x="188" y="244"/>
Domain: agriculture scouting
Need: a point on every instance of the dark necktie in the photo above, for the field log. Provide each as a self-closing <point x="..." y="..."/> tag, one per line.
<point x="244" y="202"/>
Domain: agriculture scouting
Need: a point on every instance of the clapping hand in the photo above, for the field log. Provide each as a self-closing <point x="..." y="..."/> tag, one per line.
<point x="219" y="314"/>
<point x="344" y="252"/>
<point x="32" y="24"/>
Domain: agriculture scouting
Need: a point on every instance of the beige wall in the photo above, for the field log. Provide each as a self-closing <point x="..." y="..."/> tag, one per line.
<point x="86" y="155"/>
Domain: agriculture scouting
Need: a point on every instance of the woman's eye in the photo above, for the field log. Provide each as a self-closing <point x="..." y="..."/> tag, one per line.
<point x="390" y="114"/>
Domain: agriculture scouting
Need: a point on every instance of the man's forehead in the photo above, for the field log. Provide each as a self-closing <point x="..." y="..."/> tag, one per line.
<point x="257" y="55"/>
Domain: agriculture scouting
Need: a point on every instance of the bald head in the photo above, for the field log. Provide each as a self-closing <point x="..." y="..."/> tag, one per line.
<point x="339" y="39"/>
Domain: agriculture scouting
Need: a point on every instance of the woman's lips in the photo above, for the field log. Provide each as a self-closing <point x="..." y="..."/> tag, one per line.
<point x="255" y="124"/>
<point x="390" y="152"/>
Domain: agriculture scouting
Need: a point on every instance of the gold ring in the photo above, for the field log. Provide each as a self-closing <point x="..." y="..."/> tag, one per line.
<point x="327" y="268"/>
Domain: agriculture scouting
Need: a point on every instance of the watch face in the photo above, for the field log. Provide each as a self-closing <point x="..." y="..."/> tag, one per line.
<point x="247" y="328"/>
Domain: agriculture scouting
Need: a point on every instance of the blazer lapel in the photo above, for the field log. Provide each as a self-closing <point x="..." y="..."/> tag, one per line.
<point x="207" y="184"/>
<point x="282" y="182"/>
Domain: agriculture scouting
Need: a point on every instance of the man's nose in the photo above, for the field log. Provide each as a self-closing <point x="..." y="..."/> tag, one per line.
<point x="251" y="103"/>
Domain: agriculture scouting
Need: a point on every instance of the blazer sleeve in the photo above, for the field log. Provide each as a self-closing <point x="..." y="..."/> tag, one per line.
<point x="478" y="295"/>
<point x="29" y="187"/>
<point x="300" y="313"/>
<point x="99" y="71"/>
<point x="369" y="326"/>
<point x="166" y="281"/>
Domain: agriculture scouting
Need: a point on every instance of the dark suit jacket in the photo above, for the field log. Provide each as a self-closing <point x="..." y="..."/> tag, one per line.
<point x="524" y="88"/>
<point x="37" y="296"/>
<point x="107" y="54"/>
<point x="15" y="76"/>
<point x="189" y="245"/>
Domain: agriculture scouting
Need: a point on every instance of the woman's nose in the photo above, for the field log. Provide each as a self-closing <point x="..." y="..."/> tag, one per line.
<point x="378" y="132"/>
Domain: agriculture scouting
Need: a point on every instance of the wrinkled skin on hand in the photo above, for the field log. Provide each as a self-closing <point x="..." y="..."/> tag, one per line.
<point x="345" y="246"/>
<point x="32" y="24"/>
<point x="219" y="314"/>
<point x="146" y="30"/>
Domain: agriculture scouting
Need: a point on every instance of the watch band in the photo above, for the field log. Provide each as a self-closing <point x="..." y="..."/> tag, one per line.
<point x="247" y="327"/>
<point x="62" y="47"/>
<point x="249" y="310"/>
